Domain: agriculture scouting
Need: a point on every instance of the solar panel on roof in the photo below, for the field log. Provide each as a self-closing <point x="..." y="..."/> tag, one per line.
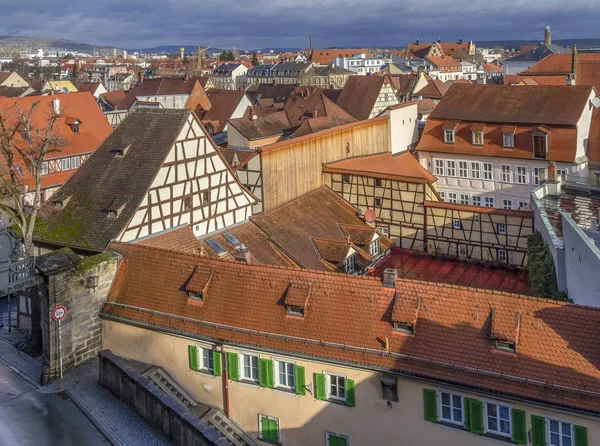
<point x="216" y="247"/>
<point x="233" y="240"/>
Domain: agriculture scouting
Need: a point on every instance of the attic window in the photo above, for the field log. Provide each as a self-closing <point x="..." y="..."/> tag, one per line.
<point x="112" y="213"/>
<point x="449" y="136"/>
<point x="505" y="346"/>
<point x="403" y="327"/>
<point x="75" y="127"/>
<point x="295" y="311"/>
<point x="195" y="295"/>
<point x="477" y="138"/>
<point x="350" y="263"/>
<point x="121" y="152"/>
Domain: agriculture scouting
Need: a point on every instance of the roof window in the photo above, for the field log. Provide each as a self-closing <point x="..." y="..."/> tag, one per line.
<point x="216" y="247"/>
<point x="121" y="152"/>
<point x="296" y="299"/>
<point x="404" y="327"/>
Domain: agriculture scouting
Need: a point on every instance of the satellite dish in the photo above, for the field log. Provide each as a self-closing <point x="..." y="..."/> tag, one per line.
<point x="370" y="216"/>
<point x="596" y="102"/>
<point x="64" y="90"/>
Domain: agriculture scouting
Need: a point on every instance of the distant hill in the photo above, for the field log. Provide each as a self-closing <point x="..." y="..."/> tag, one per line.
<point x="172" y="49"/>
<point x="567" y="43"/>
<point x="48" y="43"/>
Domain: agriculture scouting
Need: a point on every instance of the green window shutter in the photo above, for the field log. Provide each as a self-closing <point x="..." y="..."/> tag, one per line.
<point x="217" y="363"/>
<point x="336" y="440"/>
<point x="519" y="426"/>
<point x="233" y="366"/>
<point x="538" y="431"/>
<point x="270" y="374"/>
<point x="320" y="387"/>
<point x="476" y="416"/>
<point x="580" y="436"/>
<point x="467" y="413"/>
<point x="300" y="380"/>
<point x="193" y="357"/>
<point x="269" y="429"/>
<point x="430" y="403"/>
<point x="350" y="398"/>
<point x="263" y="373"/>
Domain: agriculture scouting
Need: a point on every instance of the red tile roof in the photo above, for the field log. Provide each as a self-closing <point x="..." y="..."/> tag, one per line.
<point x="403" y="167"/>
<point x="177" y="239"/>
<point x="325" y="57"/>
<point x="433" y="90"/>
<point x="114" y="98"/>
<point x="512" y="79"/>
<point x="223" y="105"/>
<point x="349" y="319"/>
<point x="359" y="95"/>
<point x="444" y="61"/>
<point x="593" y="152"/>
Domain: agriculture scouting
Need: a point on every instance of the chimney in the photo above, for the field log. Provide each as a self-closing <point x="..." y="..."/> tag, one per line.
<point x="574" y="63"/>
<point x="547" y="36"/>
<point x="182" y="51"/>
<point x="552" y="172"/>
<point x="140" y="77"/>
<point x="310" y="42"/>
<point x="243" y="254"/>
<point x="56" y="106"/>
<point x="389" y="277"/>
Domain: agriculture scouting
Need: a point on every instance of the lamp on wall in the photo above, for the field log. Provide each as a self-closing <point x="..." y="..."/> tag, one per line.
<point x="92" y="282"/>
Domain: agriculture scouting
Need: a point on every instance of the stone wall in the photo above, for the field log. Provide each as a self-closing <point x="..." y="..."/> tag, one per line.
<point x="69" y="281"/>
<point x="153" y="405"/>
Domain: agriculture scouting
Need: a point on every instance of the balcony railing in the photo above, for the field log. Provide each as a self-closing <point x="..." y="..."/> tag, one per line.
<point x="588" y="184"/>
<point x="21" y="270"/>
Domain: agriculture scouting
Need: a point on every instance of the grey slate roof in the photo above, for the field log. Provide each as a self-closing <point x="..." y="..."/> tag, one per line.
<point x="106" y="182"/>
<point x="538" y="53"/>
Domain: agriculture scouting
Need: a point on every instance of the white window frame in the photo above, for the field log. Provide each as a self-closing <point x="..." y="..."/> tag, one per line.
<point x="456" y="223"/>
<point x="479" y="133"/>
<point x="75" y="160"/>
<point x="44" y="168"/>
<point x="476" y="200"/>
<point x="462" y="407"/>
<point x="242" y="366"/>
<point x="463" y="167"/>
<point x="449" y="136"/>
<point x="488" y="174"/>
<point x="374" y="247"/>
<point x="442" y="195"/>
<point x="561" y="171"/>
<point x="501" y="228"/>
<point x="503" y="178"/>
<point x="524" y="175"/>
<point x="505" y="202"/>
<point x="64" y="161"/>
<point x="510" y="144"/>
<point x="498" y="251"/>
<point x="462" y="247"/>
<point x="452" y="196"/>
<point x="350" y="263"/>
<point x="475" y="173"/>
<point x="260" y="433"/>
<point x="486" y="427"/>
<point x="522" y="204"/>
<point x="439" y="167"/>
<point x="327" y="434"/>
<point x="536" y="175"/>
<point x="464" y="198"/>
<point x="451" y="168"/>
<point x="202" y="365"/>
<point x="489" y="200"/>
<point x="384" y="230"/>
<point x="278" y="383"/>
<point x="328" y="376"/>
<point x="560" y="422"/>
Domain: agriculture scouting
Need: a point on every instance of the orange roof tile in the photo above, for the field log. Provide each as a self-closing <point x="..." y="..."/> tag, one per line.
<point x="403" y="167"/>
<point x="349" y="317"/>
<point x="178" y="239"/>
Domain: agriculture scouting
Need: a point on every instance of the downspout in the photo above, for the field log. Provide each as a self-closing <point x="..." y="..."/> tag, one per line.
<point x="225" y="382"/>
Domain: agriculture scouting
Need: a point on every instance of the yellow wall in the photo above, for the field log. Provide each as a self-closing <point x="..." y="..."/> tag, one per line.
<point x="303" y="419"/>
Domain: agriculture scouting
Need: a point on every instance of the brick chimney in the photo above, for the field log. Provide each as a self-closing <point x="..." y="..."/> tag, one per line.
<point x="552" y="172"/>
<point x="389" y="277"/>
<point x="243" y="255"/>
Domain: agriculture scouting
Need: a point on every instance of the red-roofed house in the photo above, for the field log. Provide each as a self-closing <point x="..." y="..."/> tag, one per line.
<point x="445" y="68"/>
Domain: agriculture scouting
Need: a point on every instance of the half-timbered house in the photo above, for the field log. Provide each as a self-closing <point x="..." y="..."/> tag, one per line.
<point x="159" y="169"/>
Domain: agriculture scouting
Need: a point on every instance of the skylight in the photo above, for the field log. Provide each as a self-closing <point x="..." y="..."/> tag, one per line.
<point x="216" y="247"/>
<point x="233" y="240"/>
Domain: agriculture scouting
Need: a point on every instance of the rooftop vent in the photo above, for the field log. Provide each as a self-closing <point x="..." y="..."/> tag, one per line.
<point x="121" y="152"/>
<point x="389" y="277"/>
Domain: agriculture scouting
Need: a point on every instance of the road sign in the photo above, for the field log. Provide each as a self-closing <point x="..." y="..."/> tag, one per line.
<point x="59" y="313"/>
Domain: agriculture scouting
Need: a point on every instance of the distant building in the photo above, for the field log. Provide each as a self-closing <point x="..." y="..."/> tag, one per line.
<point x="444" y="68"/>
<point x="12" y="79"/>
<point x="366" y="96"/>
<point x="459" y="50"/>
<point x="228" y="76"/>
<point x="327" y="56"/>
<point x="361" y="64"/>
<point x="329" y="76"/>
<point x="279" y="73"/>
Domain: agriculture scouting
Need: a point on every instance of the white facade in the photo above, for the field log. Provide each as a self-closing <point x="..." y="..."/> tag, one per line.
<point x="469" y="71"/>
<point x="234" y="79"/>
<point x="361" y="64"/>
<point x="404" y="133"/>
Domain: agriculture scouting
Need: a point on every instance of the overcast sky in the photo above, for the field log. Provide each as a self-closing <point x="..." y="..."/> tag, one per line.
<point x="287" y="23"/>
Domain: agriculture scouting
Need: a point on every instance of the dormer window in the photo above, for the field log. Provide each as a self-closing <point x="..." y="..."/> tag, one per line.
<point x="350" y="263"/>
<point x="195" y="295"/>
<point x="374" y="247"/>
<point x="450" y="132"/>
<point x="508" y="140"/>
<point x="403" y="327"/>
<point x="295" y="311"/>
<point x="505" y="346"/>
<point x="477" y="138"/>
<point x="540" y="145"/>
<point x="121" y="151"/>
<point x="75" y="127"/>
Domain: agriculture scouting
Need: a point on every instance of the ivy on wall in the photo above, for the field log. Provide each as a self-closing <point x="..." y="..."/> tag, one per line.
<point x="540" y="265"/>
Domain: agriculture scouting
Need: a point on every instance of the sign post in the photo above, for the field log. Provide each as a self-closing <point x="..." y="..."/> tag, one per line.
<point x="58" y="314"/>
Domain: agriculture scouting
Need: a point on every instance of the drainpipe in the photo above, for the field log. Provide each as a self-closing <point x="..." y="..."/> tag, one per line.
<point x="225" y="382"/>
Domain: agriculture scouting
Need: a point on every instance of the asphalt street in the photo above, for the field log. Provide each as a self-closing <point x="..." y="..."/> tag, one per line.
<point x="29" y="417"/>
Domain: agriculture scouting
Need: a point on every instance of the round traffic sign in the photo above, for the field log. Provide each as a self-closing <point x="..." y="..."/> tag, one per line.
<point x="59" y="313"/>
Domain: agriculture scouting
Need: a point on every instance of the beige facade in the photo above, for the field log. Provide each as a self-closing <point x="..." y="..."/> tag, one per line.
<point x="387" y="98"/>
<point x="304" y="420"/>
<point x="14" y="80"/>
<point x="327" y="81"/>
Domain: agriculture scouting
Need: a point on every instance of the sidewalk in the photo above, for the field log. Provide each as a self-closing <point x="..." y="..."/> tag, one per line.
<point x="110" y="416"/>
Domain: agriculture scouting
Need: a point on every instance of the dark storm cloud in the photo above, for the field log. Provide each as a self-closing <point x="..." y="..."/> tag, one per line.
<point x="227" y="23"/>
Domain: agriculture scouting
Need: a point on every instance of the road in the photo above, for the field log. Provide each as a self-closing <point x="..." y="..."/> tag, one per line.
<point x="28" y="417"/>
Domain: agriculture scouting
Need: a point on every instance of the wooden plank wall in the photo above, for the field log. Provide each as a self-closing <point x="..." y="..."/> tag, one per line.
<point x="296" y="167"/>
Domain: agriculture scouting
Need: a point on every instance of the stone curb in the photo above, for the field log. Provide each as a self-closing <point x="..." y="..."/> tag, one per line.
<point x="22" y="374"/>
<point x="100" y="426"/>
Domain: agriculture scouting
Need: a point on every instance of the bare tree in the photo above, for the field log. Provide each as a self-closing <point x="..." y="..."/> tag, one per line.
<point x="23" y="145"/>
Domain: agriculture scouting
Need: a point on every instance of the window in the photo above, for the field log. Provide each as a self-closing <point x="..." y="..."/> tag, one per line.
<point x="286" y="377"/>
<point x="439" y="167"/>
<point x="378" y="182"/>
<point x="537" y="175"/>
<point x="488" y="171"/>
<point x="502" y="255"/>
<point x="65" y="164"/>
<point x="268" y="429"/>
<point x="561" y="433"/>
<point x="349" y="264"/>
<point x="478" y="138"/>
<point x="74" y="162"/>
<point x="378" y="202"/>
<point x="205" y="197"/>
<point x="463" y="170"/>
<point x="508" y="140"/>
<point x="295" y="311"/>
<point x="475" y="170"/>
<point x="506" y="204"/>
<point x="521" y="175"/>
<point x="540" y="144"/>
<point x="464" y="198"/>
<point x="385" y="231"/>
<point x="560" y="172"/>
<point x="451" y="408"/>
<point x="449" y="136"/>
<point x="462" y="250"/>
<point x="337" y="387"/>
<point x="522" y="204"/>
<point x="336" y="440"/>
<point x="45" y="168"/>
<point x="501" y="227"/>
<point x="249" y="365"/>
<point x="187" y="203"/>
<point x="452" y="197"/>
<point x="403" y="327"/>
<point x="374" y="248"/>
<point x="476" y="200"/>
<point x="506" y="174"/>
<point x="489" y="202"/>
<point x="498" y="419"/>
<point x="206" y="359"/>
<point x="451" y="168"/>
<point x="504" y="346"/>
<point x="456" y="223"/>
<point x="442" y="195"/>
<point x="345" y="178"/>
<point x="75" y="127"/>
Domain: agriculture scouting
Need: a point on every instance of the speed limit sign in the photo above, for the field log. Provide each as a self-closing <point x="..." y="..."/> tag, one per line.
<point x="59" y="313"/>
